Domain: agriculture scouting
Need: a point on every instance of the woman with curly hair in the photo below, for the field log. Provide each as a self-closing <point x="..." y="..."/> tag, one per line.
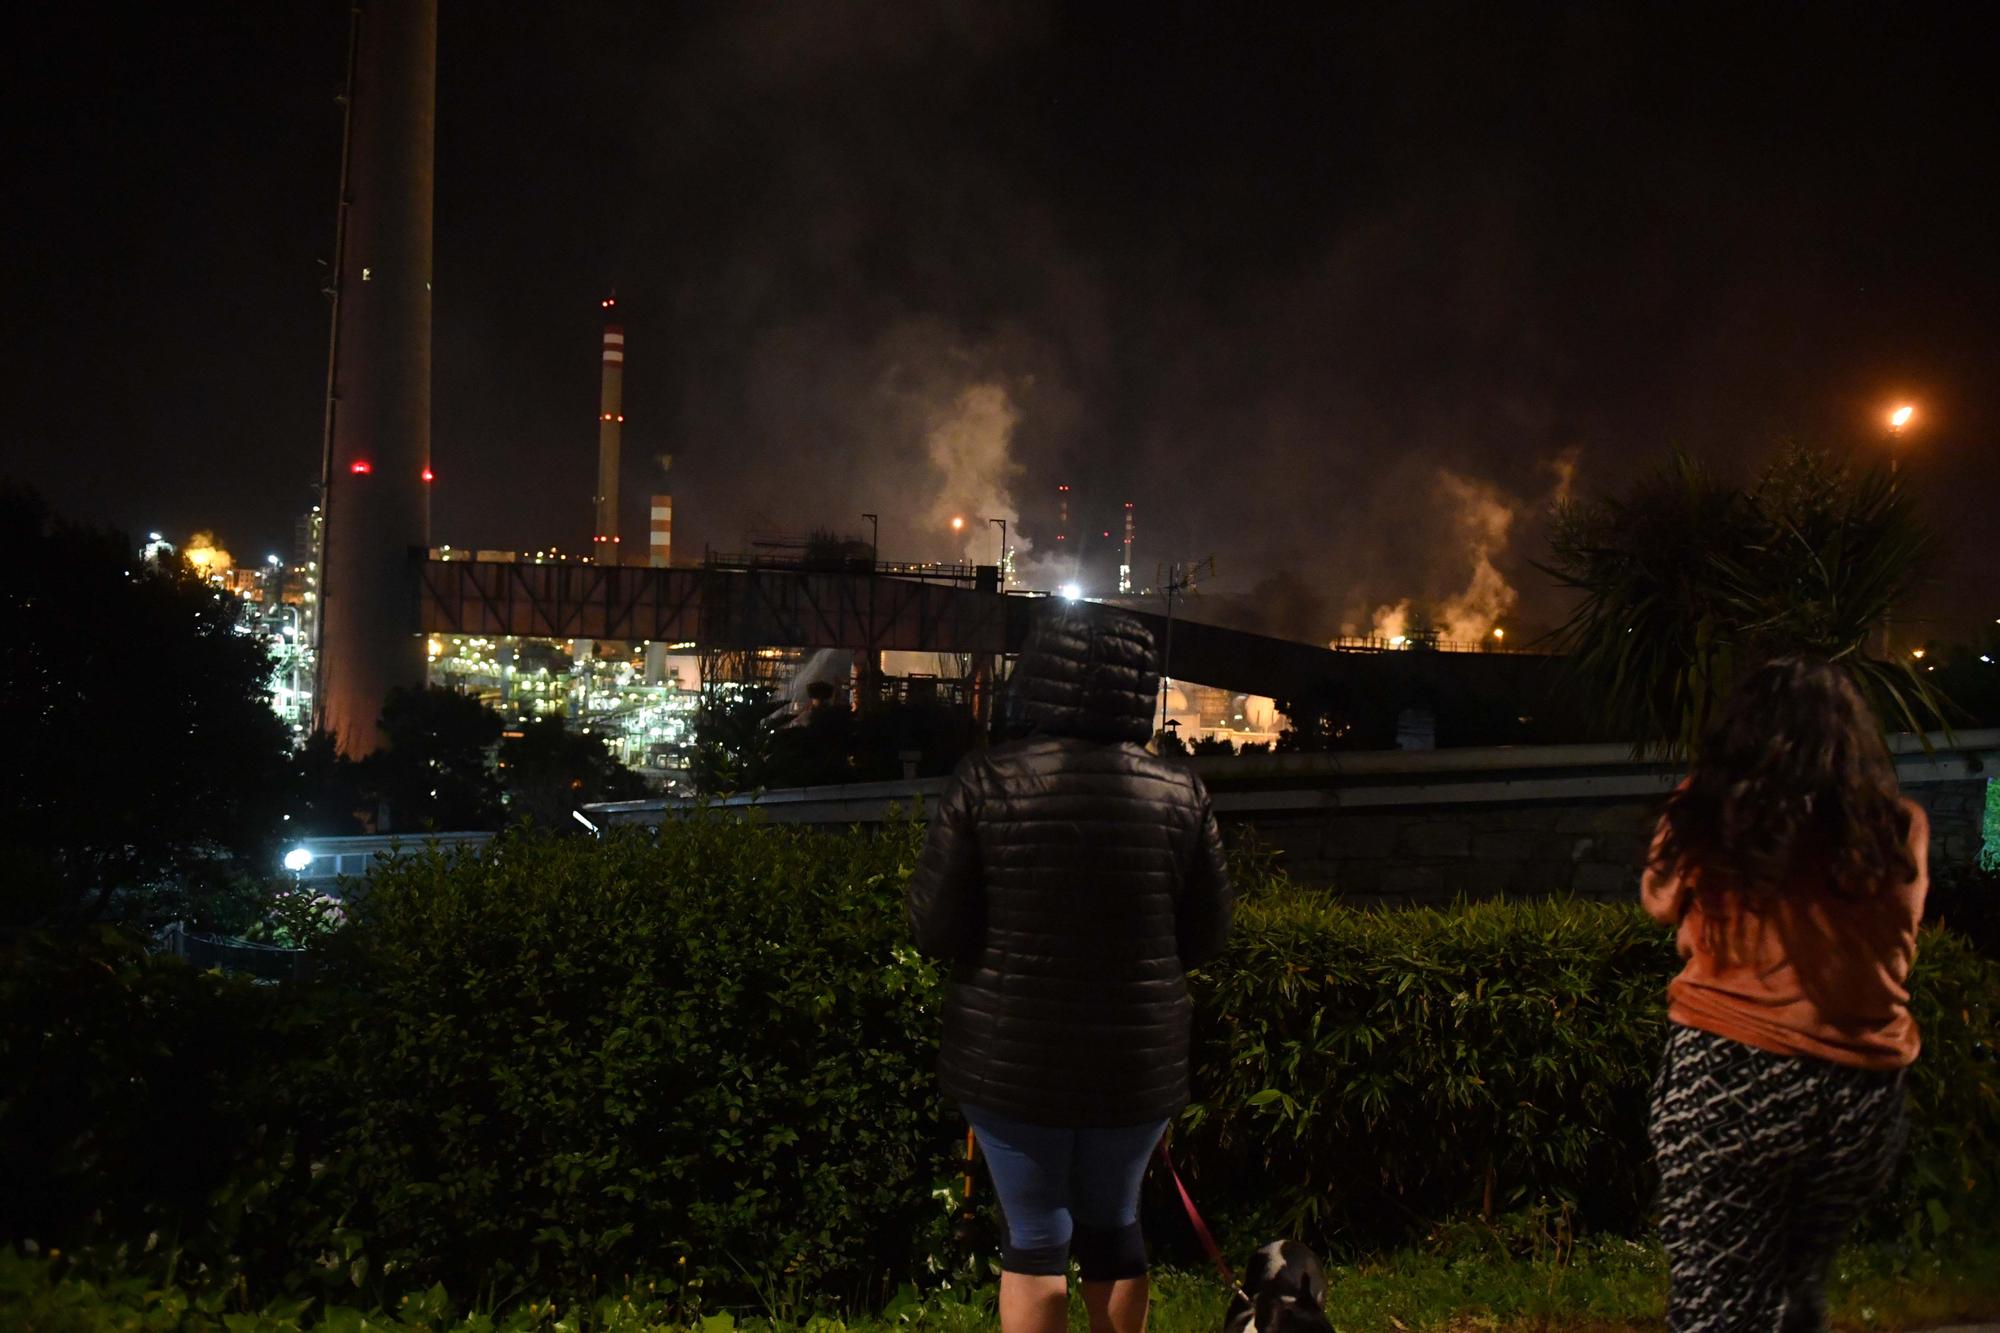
<point x="1795" y="874"/>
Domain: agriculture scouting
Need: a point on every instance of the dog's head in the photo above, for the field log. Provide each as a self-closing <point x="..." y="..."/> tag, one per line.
<point x="1284" y="1291"/>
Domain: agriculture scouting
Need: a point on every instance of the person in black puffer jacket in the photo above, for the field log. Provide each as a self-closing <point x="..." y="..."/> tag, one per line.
<point x="1071" y="878"/>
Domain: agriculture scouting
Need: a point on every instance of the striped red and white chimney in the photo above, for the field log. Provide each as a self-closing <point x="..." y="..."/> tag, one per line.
<point x="662" y="548"/>
<point x="1125" y="569"/>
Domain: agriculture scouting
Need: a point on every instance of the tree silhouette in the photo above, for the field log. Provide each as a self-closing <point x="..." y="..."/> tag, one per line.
<point x="1688" y="580"/>
<point x="435" y="770"/>
<point x="143" y="771"/>
<point x="732" y="743"/>
<point x="548" y="771"/>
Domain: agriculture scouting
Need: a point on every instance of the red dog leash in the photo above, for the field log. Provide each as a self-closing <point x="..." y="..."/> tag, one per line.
<point x="1201" y="1230"/>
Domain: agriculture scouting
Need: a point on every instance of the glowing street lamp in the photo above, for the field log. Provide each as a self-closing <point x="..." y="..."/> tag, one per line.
<point x="1899" y="421"/>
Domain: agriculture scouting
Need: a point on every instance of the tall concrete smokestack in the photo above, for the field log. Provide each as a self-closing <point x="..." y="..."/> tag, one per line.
<point x="1062" y="522"/>
<point x="605" y="546"/>
<point x="377" y="458"/>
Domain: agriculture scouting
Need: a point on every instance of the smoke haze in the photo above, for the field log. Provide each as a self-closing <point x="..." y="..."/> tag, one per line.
<point x="1343" y="296"/>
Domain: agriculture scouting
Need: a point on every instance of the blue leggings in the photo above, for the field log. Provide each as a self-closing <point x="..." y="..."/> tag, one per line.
<point x="1062" y="1185"/>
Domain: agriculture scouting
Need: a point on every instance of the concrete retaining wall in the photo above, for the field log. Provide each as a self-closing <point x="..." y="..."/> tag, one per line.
<point x="1426" y="827"/>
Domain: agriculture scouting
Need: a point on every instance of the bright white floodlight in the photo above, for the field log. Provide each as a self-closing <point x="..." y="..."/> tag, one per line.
<point x="298" y="859"/>
<point x="1071" y="592"/>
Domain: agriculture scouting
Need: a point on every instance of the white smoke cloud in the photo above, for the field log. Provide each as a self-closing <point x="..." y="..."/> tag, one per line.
<point x="970" y="444"/>
<point x="1477" y="518"/>
<point x="1484" y="515"/>
<point x="1391" y="622"/>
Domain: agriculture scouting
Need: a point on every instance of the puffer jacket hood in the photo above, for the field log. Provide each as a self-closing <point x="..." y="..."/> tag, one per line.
<point x="1072" y="879"/>
<point x="1088" y="672"/>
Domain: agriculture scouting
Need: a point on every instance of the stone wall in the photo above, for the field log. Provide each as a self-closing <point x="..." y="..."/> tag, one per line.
<point x="1595" y="848"/>
<point x="1430" y="826"/>
<point x="1958" y="818"/>
<point x="1421" y="855"/>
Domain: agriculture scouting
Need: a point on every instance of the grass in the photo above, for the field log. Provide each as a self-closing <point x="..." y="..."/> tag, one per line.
<point x="1472" y="1278"/>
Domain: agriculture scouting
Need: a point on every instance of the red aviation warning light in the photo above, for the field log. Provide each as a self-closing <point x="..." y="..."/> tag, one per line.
<point x="360" y="468"/>
<point x="429" y="475"/>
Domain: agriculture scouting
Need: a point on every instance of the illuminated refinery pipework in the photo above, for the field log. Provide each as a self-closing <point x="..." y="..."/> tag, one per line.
<point x="376" y="464"/>
<point x="605" y="546"/>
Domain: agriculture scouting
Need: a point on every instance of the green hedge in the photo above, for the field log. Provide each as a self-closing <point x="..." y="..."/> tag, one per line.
<point x="1370" y="1072"/>
<point x="138" y="1097"/>
<point x="705" y="1059"/>
<point x="583" y="1060"/>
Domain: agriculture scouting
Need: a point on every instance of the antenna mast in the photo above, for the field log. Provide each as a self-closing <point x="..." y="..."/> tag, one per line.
<point x="1175" y="579"/>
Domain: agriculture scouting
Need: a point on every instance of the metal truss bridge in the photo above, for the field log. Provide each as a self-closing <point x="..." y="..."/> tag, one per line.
<point x="745" y="609"/>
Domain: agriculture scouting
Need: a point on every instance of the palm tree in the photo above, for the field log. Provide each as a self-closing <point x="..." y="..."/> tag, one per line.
<point x="1687" y="580"/>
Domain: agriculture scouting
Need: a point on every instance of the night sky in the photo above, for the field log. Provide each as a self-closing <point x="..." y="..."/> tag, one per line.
<point x="1334" y="293"/>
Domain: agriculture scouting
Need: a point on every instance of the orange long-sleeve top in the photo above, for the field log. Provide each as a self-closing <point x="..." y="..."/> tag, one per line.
<point x="1813" y="974"/>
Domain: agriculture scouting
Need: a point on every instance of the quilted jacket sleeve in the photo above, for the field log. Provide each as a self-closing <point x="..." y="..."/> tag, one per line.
<point x="1202" y="920"/>
<point x="944" y="895"/>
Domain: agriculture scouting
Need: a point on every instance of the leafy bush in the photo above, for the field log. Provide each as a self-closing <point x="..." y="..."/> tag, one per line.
<point x="132" y="1094"/>
<point x="702" y="1060"/>
<point x="1966" y="899"/>
<point x="1364" y="1074"/>
<point x="707" y="1054"/>
<point x="1365" y="1071"/>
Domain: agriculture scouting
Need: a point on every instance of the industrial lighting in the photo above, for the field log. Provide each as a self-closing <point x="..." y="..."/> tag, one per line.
<point x="361" y="469"/>
<point x="1499" y="633"/>
<point x="958" y="525"/>
<point x="1916" y="652"/>
<point x="1396" y="641"/>
<point x="1071" y="592"/>
<point x="272" y="560"/>
<point x="1901" y="417"/>
<point x="298" y="859"/>
<point x="429" y="475"/>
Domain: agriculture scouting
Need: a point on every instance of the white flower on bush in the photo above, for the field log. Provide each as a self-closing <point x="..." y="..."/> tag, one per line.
<point x="298" y="916"/>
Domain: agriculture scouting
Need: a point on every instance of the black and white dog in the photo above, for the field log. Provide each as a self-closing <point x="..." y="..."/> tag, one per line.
<point x="1283" y="1291"/>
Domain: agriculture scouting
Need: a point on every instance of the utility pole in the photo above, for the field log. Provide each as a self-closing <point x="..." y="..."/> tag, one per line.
<point x="874" y="538"/>
<point x="1003" y="551"/>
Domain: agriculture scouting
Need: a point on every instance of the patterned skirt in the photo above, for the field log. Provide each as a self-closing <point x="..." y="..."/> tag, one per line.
<point x="1765" y="1163"/>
